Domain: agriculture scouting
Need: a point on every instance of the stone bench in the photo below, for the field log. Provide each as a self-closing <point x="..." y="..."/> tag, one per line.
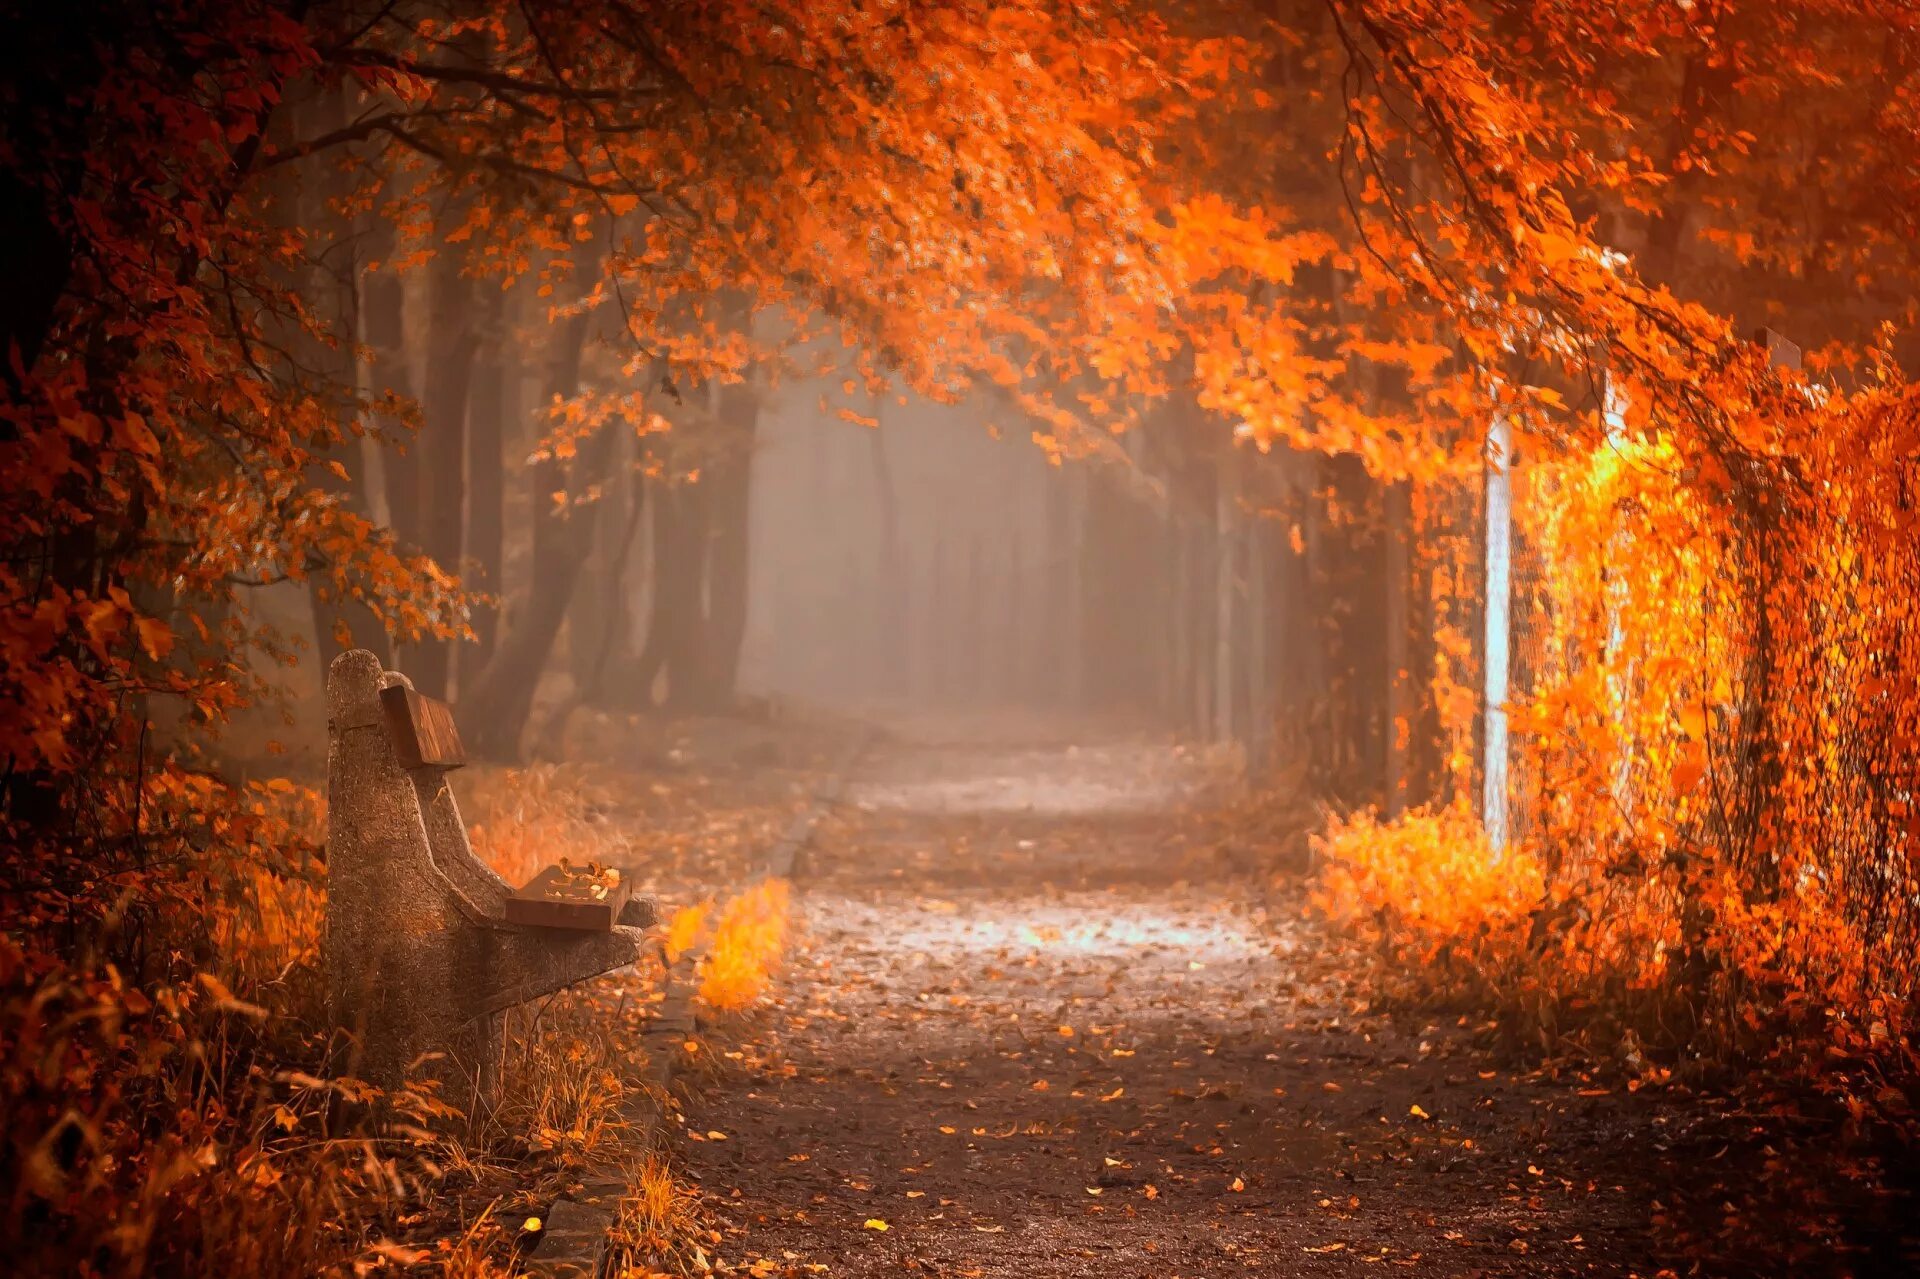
<point x="426" y="947"/>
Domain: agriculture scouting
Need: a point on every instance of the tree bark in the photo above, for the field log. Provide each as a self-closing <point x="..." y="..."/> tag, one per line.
<point x="592" y="652"/>
<point x="697" y="619"/>
<point x="615" y="623"/>
<point x="497" y="707"/>
<point x="1224" y="604"/>
<point x="597" y="620"/>
<point x="332" y="282"/>
<point x="729" y="506"/>
<point x="383" y="327"/>
<point x="1402" y="706"/>
<point x="679" y="591"/>
<point x="653" y="653"/>
<point x="37" y="267"/>
<point x="494" y="402"/>
<point x="893" y="585"/>
<point x="46" y="136"/>
<point x="443" y="446"/>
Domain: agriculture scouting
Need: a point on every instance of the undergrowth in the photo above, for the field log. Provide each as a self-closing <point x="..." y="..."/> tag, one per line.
<point x="1707" y="864"/>
<point x="166" y="1095"/>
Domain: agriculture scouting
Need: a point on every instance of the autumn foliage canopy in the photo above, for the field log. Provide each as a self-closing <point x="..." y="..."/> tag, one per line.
<point x="1363" y="228"/>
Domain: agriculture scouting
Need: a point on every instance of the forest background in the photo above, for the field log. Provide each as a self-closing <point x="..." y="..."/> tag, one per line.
<point x="1325" y="264"/>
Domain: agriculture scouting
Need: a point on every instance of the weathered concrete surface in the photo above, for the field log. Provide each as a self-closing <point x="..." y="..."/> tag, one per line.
<point x="573" y="1242"/>
<point x="418" y="958"/>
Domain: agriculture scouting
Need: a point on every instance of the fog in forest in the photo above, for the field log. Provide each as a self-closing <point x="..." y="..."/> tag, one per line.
<point x="819" y="542"/>
<point x="924" y="563"/>
<point x="1016" y="640"/>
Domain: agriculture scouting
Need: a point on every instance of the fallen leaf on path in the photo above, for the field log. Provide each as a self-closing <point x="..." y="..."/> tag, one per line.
<point x="399" y="1253"/>
<point x="874" y="1223"/>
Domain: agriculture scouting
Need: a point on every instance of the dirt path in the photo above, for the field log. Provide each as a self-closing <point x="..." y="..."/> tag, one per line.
<point x="1035" y="1028"/>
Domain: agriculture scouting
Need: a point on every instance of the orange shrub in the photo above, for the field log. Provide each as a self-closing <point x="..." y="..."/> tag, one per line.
<point x="749" y="940"/>
<point x="1426" y="881"/>
<point x="685" y="929"/>
<point x="1713" y="721"/>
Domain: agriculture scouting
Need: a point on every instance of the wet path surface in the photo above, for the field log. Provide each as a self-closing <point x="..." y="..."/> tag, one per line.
<point x="1037" y="1026"/>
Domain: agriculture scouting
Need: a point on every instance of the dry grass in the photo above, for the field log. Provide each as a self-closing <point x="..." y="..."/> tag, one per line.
<point x="475" y="1254"/>
<point x="683" y="832"/>
<point x="658" y="1212"/>
<point x="523" y="819"/>
<point x="213" y="1136"/>
<point x="165" y="1091"/>
<point x="572" y="1097"/>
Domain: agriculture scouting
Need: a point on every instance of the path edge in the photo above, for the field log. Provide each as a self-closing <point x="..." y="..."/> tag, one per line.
<point x="574" y="1245"/>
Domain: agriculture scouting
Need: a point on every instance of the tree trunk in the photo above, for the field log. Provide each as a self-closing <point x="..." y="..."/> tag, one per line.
<point x="37" y="268"/>
<point x="597" y="621"/>
<point x="443" y="447"/>
<point x="653" y="653"/>
<point x="597" y="639"/>
<point x="497" y="707"/>
<point x="1349" y="569"/>
<point x="1222" y="553"/>
<point x="729" y="507"/>
<point x="1401" y="704"/>
<point x="1259" y="703"/>
<point x="494" y="402"/>
<point x="892" y="585"/>
<point x="944" y="616"/>
<point x="342" y="623"/>
<point x="679" y="603"/>
<point x="339" y="623"/>
<point x="45" y="136"/>
<point x="697" y="620"/>
<point x="1295" y="656"/>
<point x="1010" y="647"/>
<point x="1073" y="680"/>
<point x="615" y="624"/>
<point x="1173" y="622"/>
<point x="383" y="315"/>
<point x="1198" y="532"/>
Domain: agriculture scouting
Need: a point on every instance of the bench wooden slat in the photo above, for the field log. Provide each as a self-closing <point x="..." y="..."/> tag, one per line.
<point x="559" y="897"/>
<point x="422" y="729"/>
